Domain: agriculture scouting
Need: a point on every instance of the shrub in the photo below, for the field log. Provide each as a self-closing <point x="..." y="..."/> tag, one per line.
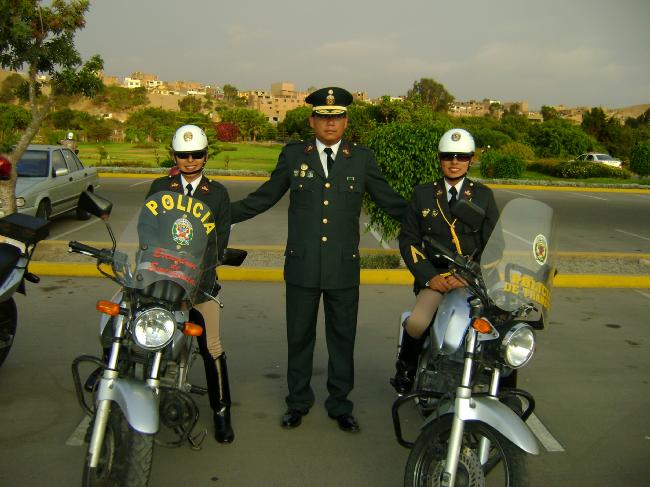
<point x="518" y="149"/>
<point x="167" y="163"/>
<point x="502" y="166"/>
<point x="545" y="167"/>
<point x="640" y="158"/>
<point x="380" y="261"/>
<point x="583" y="170"/>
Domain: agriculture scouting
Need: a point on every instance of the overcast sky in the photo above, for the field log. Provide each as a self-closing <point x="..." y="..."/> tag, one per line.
<point x="548" y="52"/>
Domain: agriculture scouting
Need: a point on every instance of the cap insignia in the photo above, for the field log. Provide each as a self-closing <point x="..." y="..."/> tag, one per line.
<point x="187" y="136"/>
<point x="330" y="98"/>
<point x="455" y="136"/>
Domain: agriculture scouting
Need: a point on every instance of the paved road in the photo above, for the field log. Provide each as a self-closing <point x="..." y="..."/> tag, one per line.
<point x="589" y="377"/>
<point x="588" y="221"/>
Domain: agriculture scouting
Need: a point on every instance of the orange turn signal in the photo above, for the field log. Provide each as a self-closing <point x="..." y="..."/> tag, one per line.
<point x="108" y="308"/>
<point x="482" y="325"/>
<point x="192" y="329"/>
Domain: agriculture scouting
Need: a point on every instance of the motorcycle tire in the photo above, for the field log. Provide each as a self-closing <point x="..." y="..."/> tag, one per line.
<point x="126" y="455"/>
<point x="506" y="465"/>
<point x="8" y="326"/>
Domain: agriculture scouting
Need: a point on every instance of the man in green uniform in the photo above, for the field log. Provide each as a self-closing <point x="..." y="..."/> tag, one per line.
<point x="327" y="177"/>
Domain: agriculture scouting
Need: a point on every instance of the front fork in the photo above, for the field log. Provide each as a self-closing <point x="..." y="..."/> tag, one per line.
<point x="110" y="374"/>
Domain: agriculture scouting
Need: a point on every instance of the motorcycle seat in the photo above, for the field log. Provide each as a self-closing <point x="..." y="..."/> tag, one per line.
<point x="9" y="256"/>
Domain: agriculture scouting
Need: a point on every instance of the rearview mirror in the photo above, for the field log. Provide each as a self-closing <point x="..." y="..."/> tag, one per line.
<point x="95" y="204"/>
<point x="469" y="213"/>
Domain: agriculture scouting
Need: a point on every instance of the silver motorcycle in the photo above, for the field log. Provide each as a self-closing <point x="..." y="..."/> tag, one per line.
<point x="147" y="335"/>
<point x="19" y="235"/>
<point x="474" y="432"/>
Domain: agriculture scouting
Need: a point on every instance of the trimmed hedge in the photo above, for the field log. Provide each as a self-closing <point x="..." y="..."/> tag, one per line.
<point x="583" y="170"/>
<point x="495" y="165"/>
<point x="640" y="158"/>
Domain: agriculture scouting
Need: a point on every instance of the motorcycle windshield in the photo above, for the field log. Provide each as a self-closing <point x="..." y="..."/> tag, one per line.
<point x="517" y="263"/>
<point x="168" y="250"/>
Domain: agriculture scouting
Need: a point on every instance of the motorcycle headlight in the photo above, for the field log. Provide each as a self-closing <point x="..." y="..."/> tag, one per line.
<point x="153" y="328"/>
<point x="518" y="345"/>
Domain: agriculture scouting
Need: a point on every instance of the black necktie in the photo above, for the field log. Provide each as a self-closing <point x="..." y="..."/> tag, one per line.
<point x="330" y="161"/>
<point x="189" y="189"/>
<point x="453" y="199"/>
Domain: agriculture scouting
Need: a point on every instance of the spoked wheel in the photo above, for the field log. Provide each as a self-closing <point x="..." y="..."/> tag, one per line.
<point x="126" y="455"/>
<point x="506" y="465"/>
<point x="8" y="323"/>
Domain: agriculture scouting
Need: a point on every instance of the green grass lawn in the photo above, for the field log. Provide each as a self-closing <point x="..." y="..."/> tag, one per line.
<point x="251" y="157"/>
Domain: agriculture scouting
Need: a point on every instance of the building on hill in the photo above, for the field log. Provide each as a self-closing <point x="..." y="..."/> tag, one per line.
<point x="276" y="103"/>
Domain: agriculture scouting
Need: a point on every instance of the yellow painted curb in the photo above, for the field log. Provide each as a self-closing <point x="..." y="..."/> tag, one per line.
<point x="368" y="276"/>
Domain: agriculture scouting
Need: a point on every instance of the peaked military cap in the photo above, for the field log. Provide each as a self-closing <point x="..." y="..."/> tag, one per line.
<point x="329" y="101"/>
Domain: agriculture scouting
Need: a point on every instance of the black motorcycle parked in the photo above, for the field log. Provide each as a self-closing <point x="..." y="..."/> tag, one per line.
<point x="19" y="235"/>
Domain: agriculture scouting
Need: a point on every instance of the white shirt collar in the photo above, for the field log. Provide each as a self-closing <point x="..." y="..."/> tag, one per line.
<point x="195" y="184"/>
<point x="458" y="185"/>
<point x="335" y="148"/>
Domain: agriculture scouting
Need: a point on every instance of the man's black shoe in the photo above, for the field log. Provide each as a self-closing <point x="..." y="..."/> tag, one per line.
<point x="347" y="423"/>
<point x="292" y="418"/>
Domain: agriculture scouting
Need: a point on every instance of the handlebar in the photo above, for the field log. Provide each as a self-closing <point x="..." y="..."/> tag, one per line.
<point x="102" y="255"/>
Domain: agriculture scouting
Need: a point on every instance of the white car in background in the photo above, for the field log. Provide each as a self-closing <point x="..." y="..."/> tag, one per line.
<point x="599" y="158"/>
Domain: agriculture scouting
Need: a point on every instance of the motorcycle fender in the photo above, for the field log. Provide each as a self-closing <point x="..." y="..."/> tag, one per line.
<point x="138" y="402"/>
<point x="495" y="414"/>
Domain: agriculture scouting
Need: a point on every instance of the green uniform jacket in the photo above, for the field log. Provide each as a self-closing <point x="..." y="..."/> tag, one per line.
<point x="214" y="195"/>
<point x="323" y="231"/>
<point x="428" y="214"/>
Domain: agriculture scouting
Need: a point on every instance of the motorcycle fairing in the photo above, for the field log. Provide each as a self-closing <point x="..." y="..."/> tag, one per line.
<point x="138" y="402"/>
<point x="493" y="413"/>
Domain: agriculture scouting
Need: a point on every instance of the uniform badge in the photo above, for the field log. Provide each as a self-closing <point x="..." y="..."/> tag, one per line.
<point x="468" y="193"/>
<point x="310" y="174"/>
<point x="346" y="151"/>
<point x="182" y="231"/>
<point x="204" y="188"/>
<point x="330" y="98"/>
<point x="174" y="185"/>
<point x="425" y="212"/>
<point x="439" y="192"/>
<point x="434" y="212"/>
<point x="350" y="178"/>
<point x="302" y="174"/>
<point x="303" y="167"/>
<point x="309" y="148"/>
<point x="295" y="173"/>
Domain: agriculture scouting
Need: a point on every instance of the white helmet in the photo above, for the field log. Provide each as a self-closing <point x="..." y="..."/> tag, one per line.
<point x="457" y="141"/>
<point x="189" y="138"/>
<point x="70" y="136"/>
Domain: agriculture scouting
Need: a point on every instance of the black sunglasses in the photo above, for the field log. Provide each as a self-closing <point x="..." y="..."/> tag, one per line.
<point x="197" y="154"/>
<point x="450" y="156"/>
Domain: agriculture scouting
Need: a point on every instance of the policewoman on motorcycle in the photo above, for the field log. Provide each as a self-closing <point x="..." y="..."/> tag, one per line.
<point x="190" y="152"/>
<point x="429" y="213"/>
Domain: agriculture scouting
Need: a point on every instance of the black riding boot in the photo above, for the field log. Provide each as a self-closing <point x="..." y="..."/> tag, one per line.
<point x="216" y="373"/>
<point x="407" y="362"/>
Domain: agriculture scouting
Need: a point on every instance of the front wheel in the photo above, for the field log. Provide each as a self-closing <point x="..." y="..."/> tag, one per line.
<point x="8" y="325"/>
<point x="126" y="455"/>
<point x="506" y="464"/>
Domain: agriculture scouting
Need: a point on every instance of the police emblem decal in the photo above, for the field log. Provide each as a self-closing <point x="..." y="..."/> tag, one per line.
<point x="182" y="231"/>
<point x="187" y="136"/>
<point x="540" y="249"/>
<point x="455" y="136"/>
